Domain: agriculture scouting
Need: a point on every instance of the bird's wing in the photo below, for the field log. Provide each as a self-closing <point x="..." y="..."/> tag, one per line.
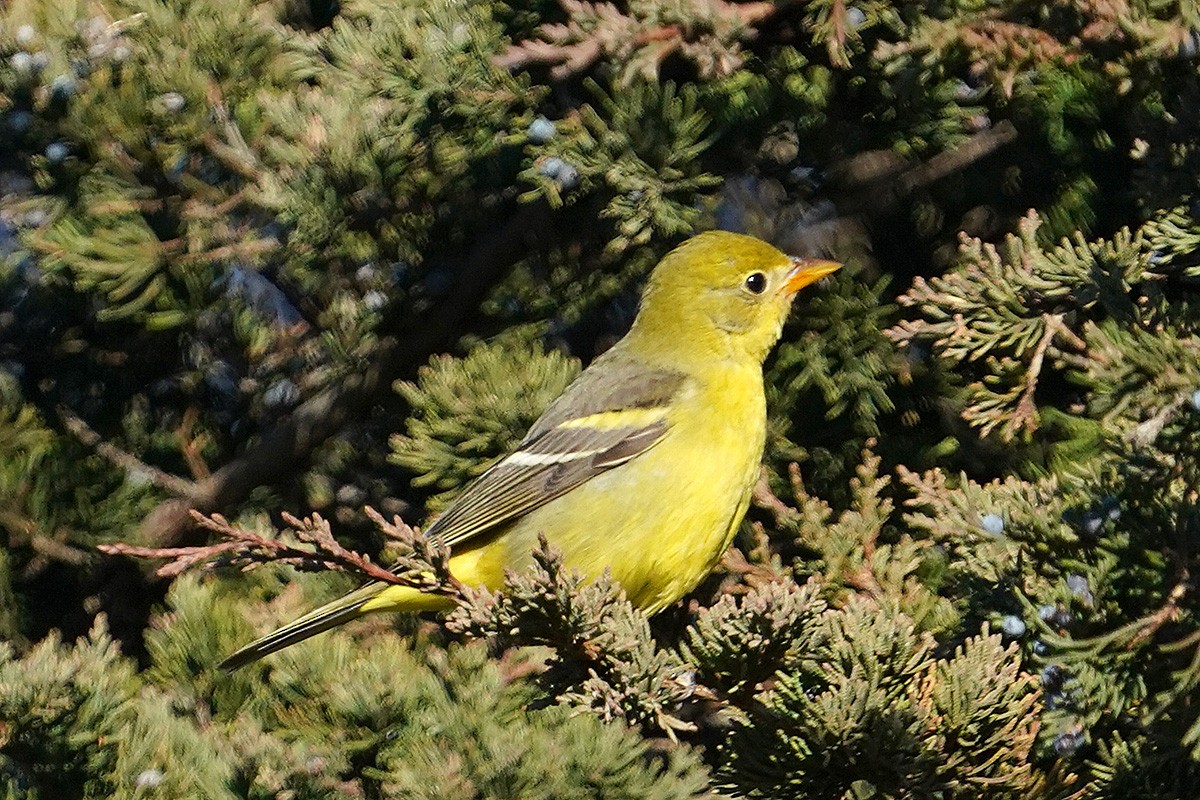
<point x="605" y="418"/>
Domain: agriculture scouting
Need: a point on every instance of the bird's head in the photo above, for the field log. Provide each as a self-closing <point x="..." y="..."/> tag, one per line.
<point x="723" y="295"/>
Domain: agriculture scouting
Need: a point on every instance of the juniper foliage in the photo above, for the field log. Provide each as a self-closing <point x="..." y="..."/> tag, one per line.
<point x="463" y="415"/>
<point x="229" y="228"/>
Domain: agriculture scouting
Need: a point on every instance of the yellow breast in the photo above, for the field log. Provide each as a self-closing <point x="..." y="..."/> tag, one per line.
<point x="662" y="521"/>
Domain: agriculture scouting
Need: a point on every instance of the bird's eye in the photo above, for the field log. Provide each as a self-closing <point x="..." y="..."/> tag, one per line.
<point x="756" y="282"/>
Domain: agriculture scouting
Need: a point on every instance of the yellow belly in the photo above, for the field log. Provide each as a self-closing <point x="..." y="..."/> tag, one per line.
<point x="659" y="523"/>
<point x="658" y="543"/>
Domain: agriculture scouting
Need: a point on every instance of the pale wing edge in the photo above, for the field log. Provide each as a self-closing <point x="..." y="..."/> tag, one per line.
<point x="542" y="470"/>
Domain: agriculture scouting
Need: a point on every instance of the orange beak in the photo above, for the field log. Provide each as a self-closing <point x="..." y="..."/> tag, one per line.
<point x="807" y="270"/>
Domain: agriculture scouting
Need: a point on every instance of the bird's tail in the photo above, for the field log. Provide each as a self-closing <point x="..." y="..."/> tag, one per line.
<point x="330" y="615"/>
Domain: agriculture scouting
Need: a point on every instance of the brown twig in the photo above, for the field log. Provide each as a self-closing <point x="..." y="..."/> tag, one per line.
<point x="423" y="564"/>
<point x="735" y="563"/>
<point x="120" y="458"/>
<point x="1025" y="415"/>
<point x="768" y="501"/>
<point x="315" y="529"/>
<point x="191" y="446"/>
<point x="248" y="550"/>
<point x="835" y="45"/>
<point x="227" y="252"/>
<point x="887" y="190"/>
<point x="149" y="206"/>
<point x="567" y="59"/>
<point x="60" y="551"/>
<point x="1169" y="611"/>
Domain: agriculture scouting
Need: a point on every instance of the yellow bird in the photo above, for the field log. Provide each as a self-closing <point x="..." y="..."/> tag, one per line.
<point x="646" y="462"/>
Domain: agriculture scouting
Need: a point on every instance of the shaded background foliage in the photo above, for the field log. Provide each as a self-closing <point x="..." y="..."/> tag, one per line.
<point x="259" y="257"/>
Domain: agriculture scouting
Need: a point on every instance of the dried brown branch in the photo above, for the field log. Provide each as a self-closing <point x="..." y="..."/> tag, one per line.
<point x="572" y="48"/>
<point x="995" y="42"/>
<point x="565" y="48"/>
<point x="768" y="501"/>
<point x="56" y="549"/>
<point x="246" y="549"/>
<point x="182" y="558"/>
<point x="422" y="563"/>
<point x="1025" y="416"/>
<point x="316" y="530"/>
<point x="126" y="461"/>
<point x="232" y="251"/>
<point x="1168" y="612"/>
<point x="191" y="446"/>
<point x="835" y="45"/>
<point x="754" y="574"/>
<point x="887" y="189"/>
<point x="564" y="60"/>
<point x="124" y="206"/>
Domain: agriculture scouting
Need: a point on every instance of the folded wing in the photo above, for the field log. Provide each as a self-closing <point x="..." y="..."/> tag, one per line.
<point x="591" y="429"/>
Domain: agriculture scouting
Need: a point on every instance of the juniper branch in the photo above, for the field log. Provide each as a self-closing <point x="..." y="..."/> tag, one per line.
<point x="604" y="658"/>
<point x="126" y="461"/>
<point x="422" y="563"/>
<point x="248" y="550"/>
<point x="289" y="444"/>
<point x="573" y="48"/>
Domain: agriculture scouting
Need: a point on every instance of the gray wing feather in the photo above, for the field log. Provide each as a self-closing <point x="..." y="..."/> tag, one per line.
<point x="611" y="383"/>
<point x="510" y="490"/>
<point x="528" y="478"/>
